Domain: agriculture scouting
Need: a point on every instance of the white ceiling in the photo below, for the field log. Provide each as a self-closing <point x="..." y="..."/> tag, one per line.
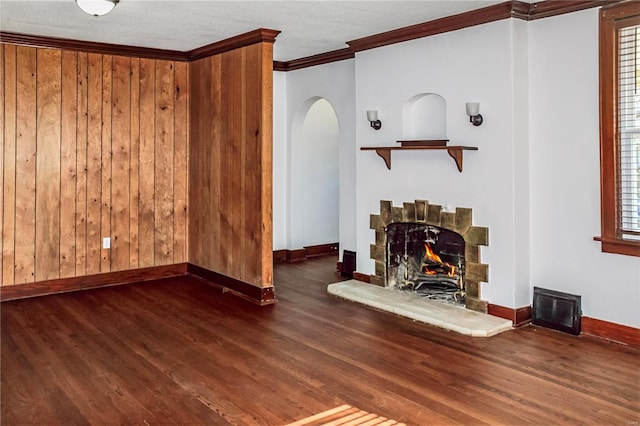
<point x="308" y="27"/>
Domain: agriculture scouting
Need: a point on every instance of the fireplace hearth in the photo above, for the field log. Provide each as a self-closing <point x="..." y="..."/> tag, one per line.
<point x="434" y="253"/>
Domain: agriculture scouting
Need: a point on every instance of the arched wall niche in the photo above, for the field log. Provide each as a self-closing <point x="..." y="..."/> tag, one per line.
<point x="424" y="116"/>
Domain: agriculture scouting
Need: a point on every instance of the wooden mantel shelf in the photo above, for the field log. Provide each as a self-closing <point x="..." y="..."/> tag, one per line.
<point x="454" y="151"/>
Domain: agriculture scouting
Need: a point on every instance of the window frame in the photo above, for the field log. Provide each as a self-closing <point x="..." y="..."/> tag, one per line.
<point x="612" y="18"/>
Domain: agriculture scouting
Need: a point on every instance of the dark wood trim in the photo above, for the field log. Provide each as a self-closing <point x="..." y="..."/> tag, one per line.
<point x="520" y="10"/>
<point x="64" y="285"/>
<point x="365" y="278"/>
<point x="590" y="326"/>
<point x="296" y="255"/>
<point x="611" y="331"/>
<point x="312" y="61"/>
<point x="91" y="47"/>
<point x="518" y="316"/>
<point x="501" y="312"/>
<point x="438" y="26"/>
<point x="259" y="295"/>
<point x="293" y="256"/>
<point x="321" y="249"/>
<point x="617" y="246"/>
<point x="242" y="40"/>
<point x="279" y="256"/>
<point x="256" y="36"/>
<point x="609" y="22"/>
<point x="510" y="9"/>
<point x="523" y="316"/>
<point x="548" y="8"/>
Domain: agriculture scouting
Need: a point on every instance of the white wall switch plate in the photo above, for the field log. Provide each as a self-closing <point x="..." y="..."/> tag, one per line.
<point x="106" y="243"/>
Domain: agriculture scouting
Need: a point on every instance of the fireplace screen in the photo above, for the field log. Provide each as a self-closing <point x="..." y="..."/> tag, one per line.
<point x="426" y="259"/>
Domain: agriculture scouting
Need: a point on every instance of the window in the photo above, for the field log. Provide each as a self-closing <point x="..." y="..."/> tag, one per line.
<point x="620" y="128"/>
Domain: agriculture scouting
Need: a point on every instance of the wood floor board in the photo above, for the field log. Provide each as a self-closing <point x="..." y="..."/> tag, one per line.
<point x="179" y="351"/>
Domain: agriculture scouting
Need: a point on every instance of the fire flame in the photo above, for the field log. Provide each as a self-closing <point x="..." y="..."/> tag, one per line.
<point x="430" y="255"/>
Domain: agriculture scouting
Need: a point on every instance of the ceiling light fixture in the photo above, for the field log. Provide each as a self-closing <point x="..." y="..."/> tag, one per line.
<point x="97" y="7"/>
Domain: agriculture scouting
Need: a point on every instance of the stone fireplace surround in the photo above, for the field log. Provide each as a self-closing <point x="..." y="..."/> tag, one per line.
<point x="460" y="221"/>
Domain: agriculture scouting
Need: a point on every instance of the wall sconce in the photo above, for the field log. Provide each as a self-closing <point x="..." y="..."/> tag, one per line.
<point x="473" y="111"/>
<point x="97" y="7"/>
<point x="372" y="116"/>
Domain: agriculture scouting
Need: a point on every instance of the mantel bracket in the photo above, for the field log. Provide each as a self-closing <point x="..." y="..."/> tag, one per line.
<point x="455" y="152"/>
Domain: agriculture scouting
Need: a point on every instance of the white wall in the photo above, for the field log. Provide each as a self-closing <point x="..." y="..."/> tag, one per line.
<point x="534" y="182"/>
<point x="335" y="83"/>
<point x="473" y="64"/>
<point x="565" y="186"/>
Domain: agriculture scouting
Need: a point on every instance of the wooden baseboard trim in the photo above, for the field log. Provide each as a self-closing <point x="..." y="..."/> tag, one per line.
<point x="279" y="256"/>
<point x="64" y="285"/>
<point x="258" y="295"/>
<point x="359" y="276"/>
<point x="518" y="316"/>
<point x="590" y="326"/>
<point x="298" y="255"/>
<point x="611" y="331"/>
<point x="294" y="256"/>
<point x="321" y="249"/>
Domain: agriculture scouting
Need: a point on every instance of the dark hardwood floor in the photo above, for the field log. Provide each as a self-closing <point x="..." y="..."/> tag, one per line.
<point x="177" y="351"/>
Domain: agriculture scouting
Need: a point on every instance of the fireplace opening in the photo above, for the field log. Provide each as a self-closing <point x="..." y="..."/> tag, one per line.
<point x="426" y="259"/>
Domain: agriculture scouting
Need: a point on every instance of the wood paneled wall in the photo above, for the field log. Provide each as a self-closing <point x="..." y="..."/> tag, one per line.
<point x="93" y="146"/>
<point x="230" y="192"/>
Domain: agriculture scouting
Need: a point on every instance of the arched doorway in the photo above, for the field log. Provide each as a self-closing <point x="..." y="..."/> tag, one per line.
<point x="314" y="184"/>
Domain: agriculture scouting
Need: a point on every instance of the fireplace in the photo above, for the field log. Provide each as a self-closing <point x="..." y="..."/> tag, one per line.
<point x="419" y="247"/>
<point x="426" y="259"/>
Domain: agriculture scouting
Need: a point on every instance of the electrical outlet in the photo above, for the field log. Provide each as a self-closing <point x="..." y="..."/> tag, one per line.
<point x="106" y="243"/>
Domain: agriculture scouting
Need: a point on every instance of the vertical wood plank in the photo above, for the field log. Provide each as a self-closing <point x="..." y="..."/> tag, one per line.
<point x="266" y="165"/>
<point x="164" y="163"/>
<point x="215" y="130"/>
<point x="234" y="169"/>
<point x="9" y="166"/>
<point x="68" y="163"/>
<point x="112" y="137"/>
<point x="230" y="164"/>
<point x="48" y="165"/>
<point x="198" y="185"/>
<point x="252" y="73"/>
<point x="25" y="165"/>
<point x="134" y="198"/>
<point x="81" y="165"/>
<point x="94" y="162"/>
<point x="180" y="163"/>
<point x="120" y="169"/>
<point x="107" y="154"/>
<point x="2" y="103"/>
<point x="146" y="207"/>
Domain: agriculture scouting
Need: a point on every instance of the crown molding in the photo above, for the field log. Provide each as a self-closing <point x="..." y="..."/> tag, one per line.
<point x="242" y="40"/>
<point x="548" y="8"/>
<point x="509" y="9"/>
<point x="311" y="61"/>
<point x="257" y="36"/>
<point x="91" y="47"/>
<point x="438" y="26"/>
